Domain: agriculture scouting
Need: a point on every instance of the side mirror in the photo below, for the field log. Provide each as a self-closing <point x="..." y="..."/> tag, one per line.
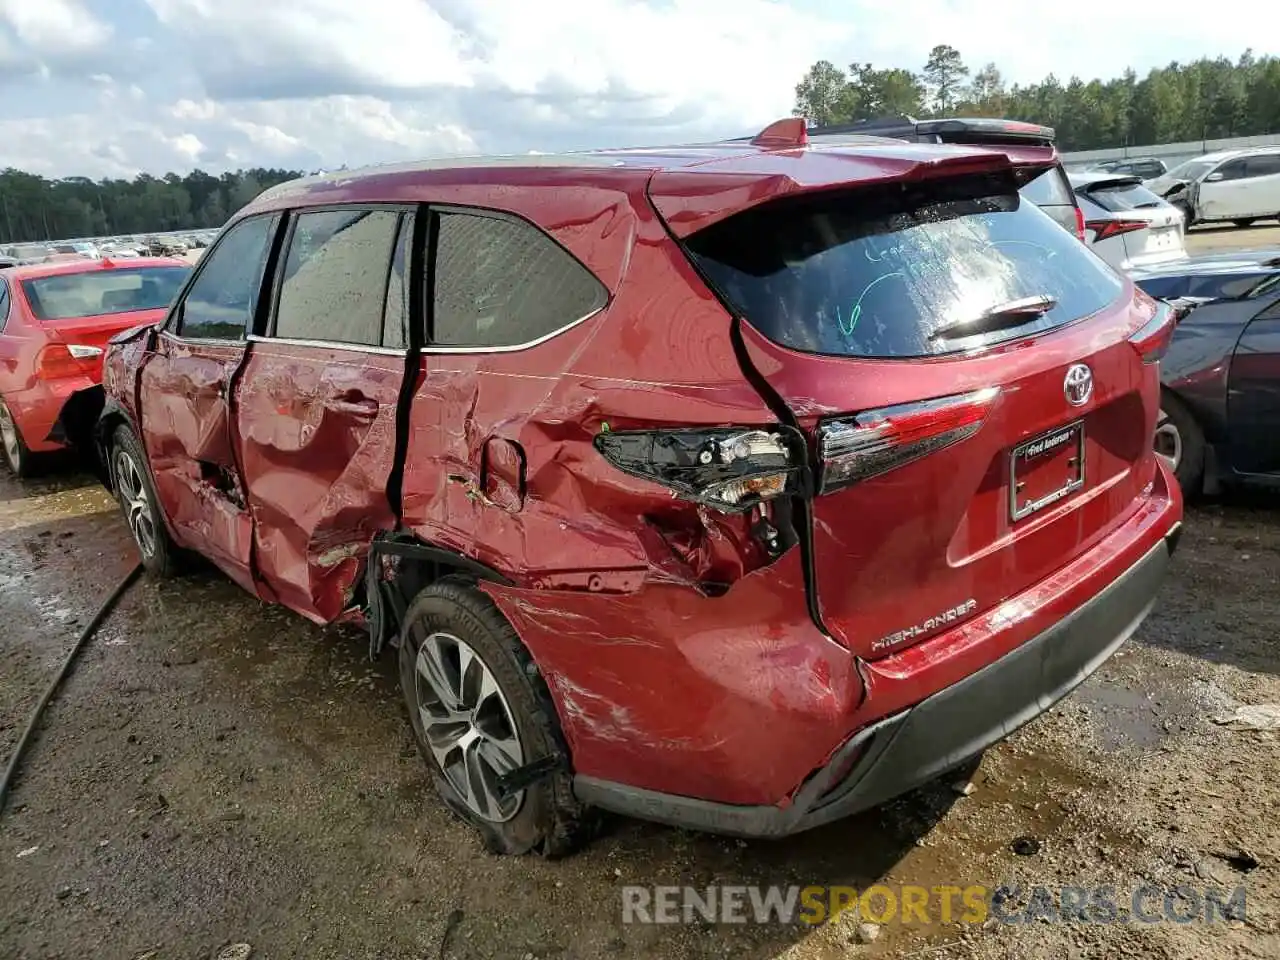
<point x="1213" y="177"/>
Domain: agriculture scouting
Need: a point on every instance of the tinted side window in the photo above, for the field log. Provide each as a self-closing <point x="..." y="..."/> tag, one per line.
<point x="1264" y="166"/>
<point x="395" y="317"/>
<point x="4" y="305"/>
<point x="335" y="276"/>
<point x="1235" y="170"/>
<point x="502" y="283"/>
<point x="224" y="296"/>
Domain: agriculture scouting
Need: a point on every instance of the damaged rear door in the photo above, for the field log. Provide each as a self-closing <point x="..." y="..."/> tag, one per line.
<point x="184" y="386"/>
<point x="316" y="408"/>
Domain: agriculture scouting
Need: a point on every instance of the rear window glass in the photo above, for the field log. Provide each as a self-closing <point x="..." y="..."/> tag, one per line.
<point x="101" y="292"/>
<point x="1119" y="197"/>
<point x="1048" y="189"/>
<point x="875" y="273"/>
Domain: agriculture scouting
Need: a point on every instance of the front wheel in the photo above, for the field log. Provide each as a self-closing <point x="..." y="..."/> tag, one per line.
<point x="1188" y="219"/>
<point x="480" y="711"/>
<point x="131" y="481"/>
<point x="1247" y="222"/>
<point x="1179" y="442"/>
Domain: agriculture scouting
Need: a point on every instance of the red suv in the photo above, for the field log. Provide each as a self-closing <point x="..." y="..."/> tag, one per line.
<point x="737" y="486"/>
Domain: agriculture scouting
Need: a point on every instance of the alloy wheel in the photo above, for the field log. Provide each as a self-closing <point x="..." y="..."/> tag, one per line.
<point x="137" y="506"/>
<point x="1168" y="441"/>
<point x="468" y="725"/>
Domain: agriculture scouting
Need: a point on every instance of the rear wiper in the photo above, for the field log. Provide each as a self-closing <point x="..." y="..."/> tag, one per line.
<point x="1148" y="205"/>
<point x="1000" y="317"/>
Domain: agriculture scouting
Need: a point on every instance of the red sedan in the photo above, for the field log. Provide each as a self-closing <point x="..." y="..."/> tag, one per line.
<point x="55" y="320"/>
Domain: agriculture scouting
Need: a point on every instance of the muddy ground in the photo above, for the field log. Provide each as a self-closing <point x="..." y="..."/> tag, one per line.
<point x="219" y="772"/>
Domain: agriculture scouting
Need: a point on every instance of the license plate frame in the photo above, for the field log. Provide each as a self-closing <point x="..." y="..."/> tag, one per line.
<point x="1026" y="452"/>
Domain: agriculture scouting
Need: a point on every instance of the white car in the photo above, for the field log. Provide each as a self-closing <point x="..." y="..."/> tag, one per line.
<point x="1236" y="186"/>
<point x="1125" y="223"/>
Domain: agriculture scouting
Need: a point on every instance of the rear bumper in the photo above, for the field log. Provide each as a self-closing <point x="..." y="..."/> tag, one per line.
<point x="39" y="411"/>
<point x="913" y="746"/>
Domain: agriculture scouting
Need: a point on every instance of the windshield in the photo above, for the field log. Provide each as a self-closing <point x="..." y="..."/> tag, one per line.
<point x="1191" y="170"/>
<point x="874" y="273"/>
<point x="96" y="293"/>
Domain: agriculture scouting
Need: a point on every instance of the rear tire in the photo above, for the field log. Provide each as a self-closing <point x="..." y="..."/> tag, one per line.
<point x="1179" y="441"/>
<point x="131" y="480"/>
<point x="478" y="708"/>
<point x="16" y="455"/>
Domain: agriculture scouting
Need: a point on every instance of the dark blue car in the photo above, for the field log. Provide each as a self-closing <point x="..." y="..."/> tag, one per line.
<point x="1220" y="409"/>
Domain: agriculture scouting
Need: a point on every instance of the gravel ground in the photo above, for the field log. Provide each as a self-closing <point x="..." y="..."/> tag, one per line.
<point x="219" y="772"/>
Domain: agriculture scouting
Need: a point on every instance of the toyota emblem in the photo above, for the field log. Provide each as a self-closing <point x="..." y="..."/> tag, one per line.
<point x="1078" y="385"/>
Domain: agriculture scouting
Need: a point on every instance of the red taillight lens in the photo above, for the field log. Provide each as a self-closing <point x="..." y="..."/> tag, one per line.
<point x="57" y="361"/>
<point x="1152" y="339"/>
<point x="1103" y="229"/>
<point x="731" y="470"/>
<point x="1080" y="225"/>
<point x="870" y="443"/>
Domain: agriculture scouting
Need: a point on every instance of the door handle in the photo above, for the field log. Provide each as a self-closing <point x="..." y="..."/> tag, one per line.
<point x="362" y="407"/>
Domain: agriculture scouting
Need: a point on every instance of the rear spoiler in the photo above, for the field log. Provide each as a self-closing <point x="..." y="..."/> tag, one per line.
<point x="690" y="199"/>
<point x="1119" y="180"/>
<point x="967" y="130"/>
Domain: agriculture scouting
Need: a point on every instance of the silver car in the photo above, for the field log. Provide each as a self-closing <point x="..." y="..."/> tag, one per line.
<point x="1125" y="223"/>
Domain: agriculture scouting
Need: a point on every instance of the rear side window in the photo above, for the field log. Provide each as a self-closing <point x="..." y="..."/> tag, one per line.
<point x="1122" y="196"/>
<point x="503" y="283"/>
<point x="4" y="304"/>
<point x="335" y="276"/>
<point x="1267" y="165"/>
<point x="876" y="273"/>
<point x="1048" y="189"/>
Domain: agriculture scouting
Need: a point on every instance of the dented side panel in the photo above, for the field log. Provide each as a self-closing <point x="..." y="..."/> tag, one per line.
<point x="316" y="432"/>
<point x="183" y="390"/>
<point x="736" y="698"/>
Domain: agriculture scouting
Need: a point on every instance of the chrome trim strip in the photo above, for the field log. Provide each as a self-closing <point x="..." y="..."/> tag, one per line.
<point x="199" y="341"/>
<point x="519" y="346"/>
<point x="329" y="345"/>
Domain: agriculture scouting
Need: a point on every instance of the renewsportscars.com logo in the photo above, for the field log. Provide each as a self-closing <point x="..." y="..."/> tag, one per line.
<point x="946" y="904"/>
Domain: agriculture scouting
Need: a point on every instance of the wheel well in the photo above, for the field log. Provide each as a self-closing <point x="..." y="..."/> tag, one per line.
<point x="104" y="432"/>
<point x="400" y="566"/>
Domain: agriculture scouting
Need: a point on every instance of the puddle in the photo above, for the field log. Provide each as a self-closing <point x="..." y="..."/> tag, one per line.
<point x="1125" y="717"/>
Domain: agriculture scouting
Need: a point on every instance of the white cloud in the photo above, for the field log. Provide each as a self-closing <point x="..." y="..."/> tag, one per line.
<point x="323" y="83"/>
<point x="54" y="27"/>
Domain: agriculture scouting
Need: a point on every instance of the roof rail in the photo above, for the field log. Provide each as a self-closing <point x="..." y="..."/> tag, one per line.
<point x="789" y="132"/>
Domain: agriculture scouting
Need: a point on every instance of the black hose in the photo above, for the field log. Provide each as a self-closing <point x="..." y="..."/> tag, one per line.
<point x="24" y="741"/>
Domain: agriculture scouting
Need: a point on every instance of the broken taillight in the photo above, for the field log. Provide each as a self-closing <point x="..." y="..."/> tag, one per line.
<point x="1152" y="339"/>
<point x="870" y="443"/>
<point x="731" y="470"/>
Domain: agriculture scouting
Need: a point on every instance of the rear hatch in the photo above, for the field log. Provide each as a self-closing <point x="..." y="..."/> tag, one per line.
<point x="1151" y="229"/>
<point x="965" y="371"/>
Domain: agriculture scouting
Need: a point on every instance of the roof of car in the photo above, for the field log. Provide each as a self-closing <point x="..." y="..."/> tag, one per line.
<point x="31" y="271"/>
<point x="693" y="185"/>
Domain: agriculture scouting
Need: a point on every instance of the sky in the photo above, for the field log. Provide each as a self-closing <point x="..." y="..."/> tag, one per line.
<point x="109" y="88"/>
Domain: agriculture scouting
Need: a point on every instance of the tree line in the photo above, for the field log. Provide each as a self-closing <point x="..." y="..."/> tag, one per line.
<point x="1206" y="99"/>
<point x="36" y="208"/>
